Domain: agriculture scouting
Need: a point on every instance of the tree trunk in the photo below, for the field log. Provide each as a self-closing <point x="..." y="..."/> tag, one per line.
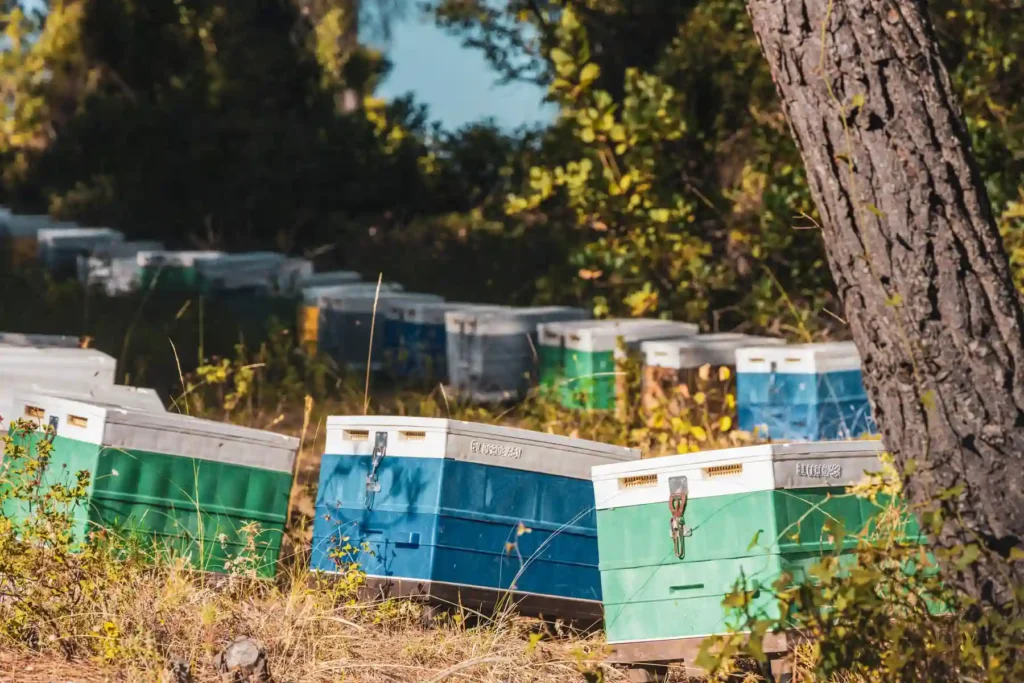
<point x="917" y="260"/>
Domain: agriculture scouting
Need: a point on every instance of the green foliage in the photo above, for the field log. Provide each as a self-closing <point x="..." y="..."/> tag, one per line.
<point x="878" y="612"/>
<point x="47" y="573"/>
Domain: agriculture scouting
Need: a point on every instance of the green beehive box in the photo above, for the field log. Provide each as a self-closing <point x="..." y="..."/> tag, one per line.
<point x="172" y="271"/>
<point x="780" y="494"/>
<point x="184" y="485"/>
<point x="578" y="359"/>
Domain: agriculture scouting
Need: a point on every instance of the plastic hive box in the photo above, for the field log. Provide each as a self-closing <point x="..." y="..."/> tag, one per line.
<point x="672" y="375"/>
<point x="161" y="476"/>
<point x="416" y="338"/>
<point x="447" y="497"/>
<point x="492" y="354"/>
<point x="313" y="298"/>
<point x="347" y="320"/>
<point x="60" y="247"/>
<point x="756" y="512"/>
<point x="173" y="271"/>
<point x="580" y="360"/>
<point x="84" y="366"/>
<point x="111" y="395"/>
<point x="806" y="391"/>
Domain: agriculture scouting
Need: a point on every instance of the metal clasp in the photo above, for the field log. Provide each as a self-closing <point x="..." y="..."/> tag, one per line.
<point x="380" y="448"/>
<point x="678" y="491"/>
<point x="54" y="422"/>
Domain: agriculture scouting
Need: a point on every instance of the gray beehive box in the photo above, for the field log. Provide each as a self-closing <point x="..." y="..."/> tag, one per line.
<point x="492" y="354"/>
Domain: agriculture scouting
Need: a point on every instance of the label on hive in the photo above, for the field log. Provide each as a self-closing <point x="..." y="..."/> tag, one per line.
<point x="819" y="470"/>
<point x="496" y="450"/>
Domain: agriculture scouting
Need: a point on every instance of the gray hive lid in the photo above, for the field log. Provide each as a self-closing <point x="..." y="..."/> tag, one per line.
<point x="38" y="341"/>
<point x="507" y="321"/>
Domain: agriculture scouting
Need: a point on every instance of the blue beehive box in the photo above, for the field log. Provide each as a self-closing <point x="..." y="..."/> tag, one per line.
<point x="416" y="338"/>
<point x="462" y="513"/>
<point x="350" y="327"/>
<point x="811" y="392"/>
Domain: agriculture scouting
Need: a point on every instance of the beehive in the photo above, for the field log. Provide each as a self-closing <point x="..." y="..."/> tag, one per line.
<point x="291" y="276"/>
<point x="112" y="395"/>
<point x="805" y="391"/>
<point x="581" y="360"/>
<point x="416" y="339"/>
<point x="60" y="247"/>
<point x="246" y="271"/>
<point x="492" y="354"/>
<point x="753" y="512"/>
<point x="38" y="340"/>
<point x="672" y="375"/>
<point x="462" y="513"/>
<point x="172" y="271"/>
<point x="19" y="236"/>
<point x="190" y="486"/>
<point x="21" y="364"/>
<point x="313" y="298"/>
<point x="114" y="267"/>
<point x="349" y="325"/>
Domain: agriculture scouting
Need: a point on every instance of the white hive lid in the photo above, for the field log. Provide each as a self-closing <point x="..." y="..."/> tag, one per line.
<point x="522" y="449"/>
<point x="799" y="358"/>
<point x="732" y="471"/>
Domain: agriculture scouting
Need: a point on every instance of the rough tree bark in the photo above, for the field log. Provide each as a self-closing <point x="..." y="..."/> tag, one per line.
<point x="917" y="258"/>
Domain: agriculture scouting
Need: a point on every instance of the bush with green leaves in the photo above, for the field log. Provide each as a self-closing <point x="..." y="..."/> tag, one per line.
<point x="881" y="611"/>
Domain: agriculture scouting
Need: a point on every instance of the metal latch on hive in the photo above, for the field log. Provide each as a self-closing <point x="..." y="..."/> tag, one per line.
<point x="380" y="448"/>
<point x="678" y="490"/>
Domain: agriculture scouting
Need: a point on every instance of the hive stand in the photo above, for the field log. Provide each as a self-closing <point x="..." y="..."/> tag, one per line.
<point x="649" y="662"/>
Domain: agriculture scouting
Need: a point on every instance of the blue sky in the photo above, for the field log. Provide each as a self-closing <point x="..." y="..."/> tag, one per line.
<point x="455" y="82"/>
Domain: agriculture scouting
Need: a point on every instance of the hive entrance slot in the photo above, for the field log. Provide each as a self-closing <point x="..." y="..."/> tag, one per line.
<point x="638" y="481"/>
<point x="33" y="411"/>
<point x="412" y="436"/>
<point x="76" y="421"/>
<point x="357" y="435"/>
<point x="723" y="470"/>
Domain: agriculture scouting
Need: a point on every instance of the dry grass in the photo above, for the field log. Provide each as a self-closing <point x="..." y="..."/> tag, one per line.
<point x="311" y="634"/>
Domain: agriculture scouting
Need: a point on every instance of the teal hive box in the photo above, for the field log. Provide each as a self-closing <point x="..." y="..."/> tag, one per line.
<point x="180" y="484"/>
<point x="579" y="359"/>
<point x="658" y="599"/>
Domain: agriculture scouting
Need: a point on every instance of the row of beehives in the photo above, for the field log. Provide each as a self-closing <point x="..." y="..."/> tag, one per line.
<point x="154" y="472"/>
<point x="455" y="512"/>
<point x="101" y="257"/>
<point x="463" y="514"/>
<point x="489" y="353"/>
<point x="485" y="352"/>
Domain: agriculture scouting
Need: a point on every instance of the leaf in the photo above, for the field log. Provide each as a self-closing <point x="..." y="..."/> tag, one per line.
<point x="725" y="423"/>
<point x="699" y="398"/>
<point x="560" y="56"/>
<point x="875" y="210"/>
<point x="618" y="133"/>
<point x="587" y="135"/>
<point x="724" y="374"/>
<point x="755" y="539"/>
<point x="1016" y="554"/>
<point x="698" y="433"/>
<point x="970" y="554"/>
<point x="858" y="100"/>
<point x="704" y="372"/>
<point x="894" y="301"/>
<point x="589" y="73"/>
<point x="928" y="399"/>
